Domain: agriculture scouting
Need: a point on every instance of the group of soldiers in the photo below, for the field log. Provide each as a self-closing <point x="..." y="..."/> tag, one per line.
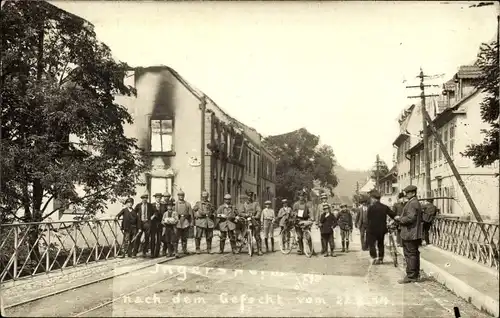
<point x="166" y="223"/>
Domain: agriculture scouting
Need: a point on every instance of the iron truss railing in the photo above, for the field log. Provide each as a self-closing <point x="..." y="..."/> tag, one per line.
<point x="29" y="249"/>
<point x="474" y="240"/>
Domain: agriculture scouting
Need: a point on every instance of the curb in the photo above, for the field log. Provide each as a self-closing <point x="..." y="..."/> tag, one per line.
<point x="459" y="287"/>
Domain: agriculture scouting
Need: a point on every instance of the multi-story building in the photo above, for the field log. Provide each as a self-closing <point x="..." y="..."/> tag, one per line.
<point x="191" y="143"/>
<point x="267" y="186"/>
<point x="388" y="187"/>
<point x="457" y="117"/>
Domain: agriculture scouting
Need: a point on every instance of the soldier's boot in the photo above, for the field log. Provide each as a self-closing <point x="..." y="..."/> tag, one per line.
<point x="301" y="247"/>
<point x="259" y="247"/>
<point x="176" y="250"/>
<point x="272" y="244"/>
<point x="347" y="246"/>
<point x="209" y="246"/>
<point x="343" y="246"/>
<point x="184" y="248"/>
<point x="221" y="245"/>
<point x="267" y="246"/>
<point x="233" y="247"/>
<point x="197" y="243"/>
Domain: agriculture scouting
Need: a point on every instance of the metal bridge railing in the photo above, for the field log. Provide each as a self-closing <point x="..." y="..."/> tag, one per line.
<point x="28" y="249"/>
<point x="474" y="240"/>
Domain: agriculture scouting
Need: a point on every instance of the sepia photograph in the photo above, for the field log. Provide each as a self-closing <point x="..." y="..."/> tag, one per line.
<point x="249" y="158"/>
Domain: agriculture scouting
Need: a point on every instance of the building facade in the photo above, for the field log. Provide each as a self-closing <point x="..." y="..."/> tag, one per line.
<point x="457" y="117"/>
<point x="388" y="187"/>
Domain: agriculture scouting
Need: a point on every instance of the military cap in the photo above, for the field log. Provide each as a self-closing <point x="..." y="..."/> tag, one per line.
<point x="343" y="205"/>
<point x="284" y="200"/>
<point x="267" y="202"/>
<point x="410" y="188"/>
<point x="323" y="195"/>
<point x="227" y="197"/>
<point x="166" y="194"/>
<point x="158" y="195"/>
<point x="375" y="194"/>
<point x="204" y="194"/>
<point x="181" y="193"/>
<point x="129" y="200"/>
<point x="170" y="202"/>
<point x="144" y="196"/>
<point x="326" y="206"/>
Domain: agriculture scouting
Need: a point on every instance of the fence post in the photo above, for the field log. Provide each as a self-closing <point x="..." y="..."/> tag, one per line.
<point x="75" y="245"/>
<point x="97" y="242"/>
<point x="47" y="253"/>
<point x="16" y="248"/>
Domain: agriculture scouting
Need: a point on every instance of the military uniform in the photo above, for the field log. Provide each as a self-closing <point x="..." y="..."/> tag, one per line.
<point x="301" y="212"/>
<point x="411" y="235"/>
<point x="169" y="221"/>
<point x="204" y="222"/>
<point x="344" y="219"/>
<point x="253" y="210"/>
<point x="284" y="218"/>
<point x="428" y="215"/>
<point x="226" y="214"/>
<point x="267" y="220"/>
<point x="186" y="219"/>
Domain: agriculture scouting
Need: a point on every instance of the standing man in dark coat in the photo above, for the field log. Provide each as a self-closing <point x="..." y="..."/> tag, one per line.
<point x="362" y="222"/>
<point x="204" y="222"/>
<point x="411" y="234"/>
<point x="377" y="226"/>
<point x="428" y="216"/>
<point x="130" y="225"/>
<point x="157" y="227"/>
<point x="398" y="209"/>
<point x="145" y="211"/>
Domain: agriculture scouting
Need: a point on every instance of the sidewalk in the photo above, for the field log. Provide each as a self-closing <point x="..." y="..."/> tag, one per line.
<point x="471" y="281"/>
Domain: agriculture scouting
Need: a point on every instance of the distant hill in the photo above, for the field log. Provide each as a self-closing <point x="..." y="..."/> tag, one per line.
<point x="347" y="180"/>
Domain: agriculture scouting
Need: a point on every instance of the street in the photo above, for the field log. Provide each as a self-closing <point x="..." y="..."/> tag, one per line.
<point x="270" y="285"/>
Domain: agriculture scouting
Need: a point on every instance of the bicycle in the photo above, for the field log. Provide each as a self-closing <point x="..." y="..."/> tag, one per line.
<point x="393" y="228"/>
<point x="247" y="238"/>
<point x="286" y="234"/>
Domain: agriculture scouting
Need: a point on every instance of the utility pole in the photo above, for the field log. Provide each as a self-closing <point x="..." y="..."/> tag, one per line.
<point x="425" y="133"/>
<point x="357" y="187"/>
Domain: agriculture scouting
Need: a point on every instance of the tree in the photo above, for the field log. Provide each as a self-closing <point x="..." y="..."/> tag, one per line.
<point x="58" y="81"/>
<point x="300" y="161"/>
<point x="382" y="171"/>
<point x="486" y="153"/>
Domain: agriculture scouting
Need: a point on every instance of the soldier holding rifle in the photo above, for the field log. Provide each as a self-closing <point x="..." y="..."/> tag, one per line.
<point x="186" y="220"/>
<point x="204" y="222"/>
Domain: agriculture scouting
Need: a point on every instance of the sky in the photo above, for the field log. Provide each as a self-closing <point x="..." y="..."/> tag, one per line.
<point x="334" y="68"/>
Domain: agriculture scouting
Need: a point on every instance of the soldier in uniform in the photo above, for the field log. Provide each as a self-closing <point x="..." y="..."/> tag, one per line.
<point x="428" y="216"/>
<point x="145" y="211"/>
<point x="411" y="234"/>
<point x="130" y="224"/>
<point x="169" y="222"/>
<point x="301" y="212"/>
<point x="186" y="219"/>
<point x="344" y="219"/>
<point x="252" y="209"/>
<point x="156" y="226"/>
<point x="267" y="220"/>
<point x="204" y="222"/>
<point x="284" y="218"/>
<point x="226" y="214"/>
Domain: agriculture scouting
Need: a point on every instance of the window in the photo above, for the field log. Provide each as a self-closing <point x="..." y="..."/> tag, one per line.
<point x="161" y="135"/>
<point x="451" y="139"/>
<point x="434" y="151"/>
<point x="159" y="185"/>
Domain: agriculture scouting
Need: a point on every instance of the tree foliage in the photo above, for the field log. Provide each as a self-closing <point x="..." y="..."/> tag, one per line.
<point x="486" y="153"/>
<point x="59" y="81"/>
<point x="383" y="170"/>
<point x="300" y="161"/>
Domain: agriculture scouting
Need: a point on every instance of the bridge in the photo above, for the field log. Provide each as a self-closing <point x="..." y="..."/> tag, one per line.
<point x="74" y="269"/>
